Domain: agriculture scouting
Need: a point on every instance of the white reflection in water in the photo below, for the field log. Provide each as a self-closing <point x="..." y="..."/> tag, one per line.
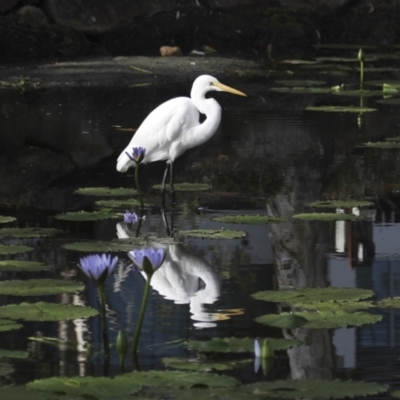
<point x="185" y="278"/>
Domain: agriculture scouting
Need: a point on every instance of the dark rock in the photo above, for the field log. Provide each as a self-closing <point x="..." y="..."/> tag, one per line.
<point x="33" y="16"/>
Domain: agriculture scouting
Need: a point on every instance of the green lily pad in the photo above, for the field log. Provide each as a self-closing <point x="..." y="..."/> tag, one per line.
<point x="17" y="354"/>
<point x="325" y="319"/>
<point x="393" y="101"/>
<point x="345" y="59"/>
<point x="45" y="312"/>
<point x="301" y="90"/>
<point x="203" y="365"/>
<point x="128" y="203"/>
<point x="106" y="191"/>
<point x="383" y="145"/>
<point x="284" y="320"/>
<point x="299" y="62"/>
<point x="248" y="219"/>
<point x="391" y="302"/>
<point x="301" y="83"/>
<point x="236" y="345"/>
<point x="311" y="295"/>
<point x="340" y="203"/>
<point x="128" y="384"/>
<point x="105" y="213"/>
<point x="38" y="287"/>
<point x="342" y="109"/>
<point x="14" y="249"/>
<point x="213" y="233"/>
<point x="102" y="247"/>
<point x="313" y="389"/>
<point x="5" y="369"/>
<point x="7" y="325"/>
<point x="337" y="306"/>
<point x="16" y="265"/>
<point x="393" y="139"/>
<point x="27" y="232"/>
<point x="188" y="187"/>
<point x="5" y="219"/>
<point x="326" y="217"/>
<point x="395" y="394"/>
<point x="21" y="393"/>
<point x="357" y="93"/>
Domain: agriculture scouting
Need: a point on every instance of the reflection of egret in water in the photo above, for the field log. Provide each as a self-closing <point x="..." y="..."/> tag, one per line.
<point x="186" y="278"/>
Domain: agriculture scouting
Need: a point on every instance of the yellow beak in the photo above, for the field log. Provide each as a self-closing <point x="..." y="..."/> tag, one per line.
<point x="228" y="89"/>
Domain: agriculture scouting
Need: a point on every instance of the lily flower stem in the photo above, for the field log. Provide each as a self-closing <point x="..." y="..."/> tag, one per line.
<point x="138" y="186"/>
<point x="139" y="224"/>
<point x="361" y="75"/>
<point x="106" y="343"/>
<point x="142" y="313"/>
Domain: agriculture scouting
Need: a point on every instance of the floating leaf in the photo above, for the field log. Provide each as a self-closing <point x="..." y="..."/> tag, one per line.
<point x="5" y="369"/>
<point x="383" y="145"/>
<point x="340" y="203"/>
<point x="248" y="219"/>
<point x="106" y="191"/>
<point x="102" y="247"/>
<point x="324" y="319"/>
<point x="391" y="302"/>
<point x="13" y="249"/>
<point x="298" y="62"/>
<point x="128" y="384"/>
<point x="188" y="187"/>
<point x="5" y="219"/>
<point x="301" y="90"/>
<point x="357" y="93"/>
<point x="351" y="305"/>
<point x="88" y="216"/>
<point x="298" y="82"/>
<point x="213" y="233"/>
<point x="38" y="287"/>
<point x="236" y="345"/>
<point x="203" y="365"/>
<point x="313" y="389"/>
<point x="284" y="320"/>
<point x="344" y="59"/>
<point x="19" y="354"/>
<point x="129" y="203"/>
<point x="7" y="325"/>
<point x="311" y="295"/>
<point x="16" y="265"/>
<point x="45" y="312"/>
<point x="326" y="217"/>
<point x="352" y="109"/>
<point x="27" y="232"/>
<point x="21" y="393"/>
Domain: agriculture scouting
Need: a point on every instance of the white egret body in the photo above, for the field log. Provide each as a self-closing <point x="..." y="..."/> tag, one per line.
<point x="174" y="126"/>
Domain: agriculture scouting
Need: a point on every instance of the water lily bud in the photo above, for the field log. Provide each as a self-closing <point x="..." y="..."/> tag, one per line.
<point x="121" y="344"/>
<point x="361" y="55"/>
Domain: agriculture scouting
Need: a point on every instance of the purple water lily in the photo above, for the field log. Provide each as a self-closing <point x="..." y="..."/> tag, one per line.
<point x="98" y="267"/>
<point x="137" y="154"/>
<point x="130" y="217"/>
<point x="148" y="259"/>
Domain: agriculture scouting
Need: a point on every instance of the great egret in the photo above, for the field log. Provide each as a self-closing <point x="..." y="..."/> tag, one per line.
<point x="174" y="126"/>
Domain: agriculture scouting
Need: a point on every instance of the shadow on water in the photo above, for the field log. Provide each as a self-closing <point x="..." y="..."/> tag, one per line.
<point x="260" y="160"/>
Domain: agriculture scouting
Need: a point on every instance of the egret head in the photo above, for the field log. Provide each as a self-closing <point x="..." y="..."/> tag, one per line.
<point x="206" y="83"/>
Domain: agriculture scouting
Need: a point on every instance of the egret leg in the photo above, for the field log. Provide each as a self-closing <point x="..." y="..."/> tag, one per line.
<point x="171" y="185"/>
<point x="163" y="186"/>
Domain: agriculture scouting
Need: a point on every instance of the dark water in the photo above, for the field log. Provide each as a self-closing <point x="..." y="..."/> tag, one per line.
<point x="270" y="155"/>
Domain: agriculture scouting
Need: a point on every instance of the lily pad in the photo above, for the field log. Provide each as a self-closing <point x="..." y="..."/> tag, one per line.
<point x="391" y="302"/>
<point x="27" y="232"/>
<point x="357" y="93"/>
<point x="344" y="59"/>
<point x="128" y="384"/>
<point x="313" y="389"/>
<point x="284" y="320"/>
<point x="311" y="295"/>
<point x="105" y="213"/>
<point x="14" y="249"/>
<point x="236" y="345"/>
<point x="129" y="203"/>
<point x="106" y="191"/>
<point x="5" y="369"/>
<point x="213" y="233"/>
<point x="248" y="219"/>
<point x="341" y="109"/>
<point x="38" y="287"/>
<point x="383" y="145"/>
<point x="301" y="90"/>
<point x="17" y="354"/>
<point x="393" y="101"/>
<point x="340" y="203"/>
<point x="7" y="325"/>
<point x="102" y="247"/>
<point x="5" y="219"/>
<point x="325" y="319"/>
<point x="21" y="393"/>
<point x="45" y="312"/>
<point x="298" y="82"/>
<point x="203" y="365"/>
<point x="188" y="187"/>
<point x="16" y="265"/>
<point x="326" y="217"/>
